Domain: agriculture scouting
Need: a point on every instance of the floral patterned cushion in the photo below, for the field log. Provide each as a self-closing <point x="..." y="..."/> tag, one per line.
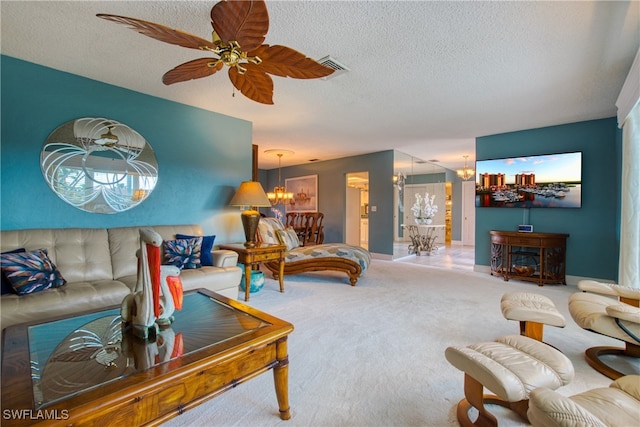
<point x="183" y="253"/>
<point x="30" y="272"/>
<point x="328" y="250"/>
<point x="205" y="251"/>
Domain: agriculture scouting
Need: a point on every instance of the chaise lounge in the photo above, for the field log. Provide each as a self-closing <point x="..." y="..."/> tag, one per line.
<point x="352" y="260"/>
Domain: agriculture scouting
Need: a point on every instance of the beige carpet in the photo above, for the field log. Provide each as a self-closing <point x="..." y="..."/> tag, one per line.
<point x="373" y="355"/>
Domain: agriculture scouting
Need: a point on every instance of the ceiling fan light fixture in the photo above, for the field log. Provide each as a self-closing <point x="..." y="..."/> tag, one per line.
<point x="107" y="139"/>
<point x="230" y="58"/>
<point x="239" y="28"/>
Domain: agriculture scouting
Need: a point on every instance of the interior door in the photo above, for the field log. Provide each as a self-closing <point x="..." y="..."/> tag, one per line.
<point x="352" y="214"/>
<point x="469" y="213"/>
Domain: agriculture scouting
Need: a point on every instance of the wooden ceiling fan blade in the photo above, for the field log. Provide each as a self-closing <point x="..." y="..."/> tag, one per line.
<point x="246" y="22"/>
<point x="254" y="83"/>
<point x="191" y="70"/>
<point x="286" y="62"/>
<point x="161" y="32"/>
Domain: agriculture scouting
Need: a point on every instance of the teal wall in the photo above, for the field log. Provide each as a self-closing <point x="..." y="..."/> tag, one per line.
<point x="332" y="179"/>
<point x="202" y="156"/>
<point x="593" y="245"/>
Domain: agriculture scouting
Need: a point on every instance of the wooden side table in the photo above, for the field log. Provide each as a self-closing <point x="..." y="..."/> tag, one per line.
<point x="254" y="256"/>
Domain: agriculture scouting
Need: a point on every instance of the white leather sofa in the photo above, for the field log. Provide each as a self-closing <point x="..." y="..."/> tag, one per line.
<point x="100" y="267"/>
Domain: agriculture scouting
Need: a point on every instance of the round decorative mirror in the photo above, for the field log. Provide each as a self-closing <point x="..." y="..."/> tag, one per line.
<point x="99" y="165"/>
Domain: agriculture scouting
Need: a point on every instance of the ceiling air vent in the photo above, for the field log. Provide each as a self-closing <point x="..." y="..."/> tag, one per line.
<point x="330" y="62"/>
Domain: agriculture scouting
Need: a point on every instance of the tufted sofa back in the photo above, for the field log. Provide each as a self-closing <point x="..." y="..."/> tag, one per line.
<point x="90" y="254"/>
<point x="81" y="254"/>
<point x="125" y="241"/>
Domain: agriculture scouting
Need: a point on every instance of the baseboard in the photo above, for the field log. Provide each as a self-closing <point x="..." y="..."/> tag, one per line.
<point x="482" y="268"/>
<point x="385" y="257"/>
<point x="571" y="280"/>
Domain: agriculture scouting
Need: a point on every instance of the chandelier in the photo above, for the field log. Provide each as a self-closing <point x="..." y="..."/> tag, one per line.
<point x="279" y="195"/>
<point x="466" y="173"/>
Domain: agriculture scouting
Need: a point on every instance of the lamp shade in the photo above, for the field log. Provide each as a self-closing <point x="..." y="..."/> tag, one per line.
<point x="250" y="193"/>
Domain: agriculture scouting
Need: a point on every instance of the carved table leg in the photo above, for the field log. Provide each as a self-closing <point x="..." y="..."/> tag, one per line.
<point x="281" y="378"/>
<point x="247" y="279"/>
<point x="281" y="272"/>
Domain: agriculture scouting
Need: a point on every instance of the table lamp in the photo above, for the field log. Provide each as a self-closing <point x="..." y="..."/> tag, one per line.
<point x="251" y="195"/>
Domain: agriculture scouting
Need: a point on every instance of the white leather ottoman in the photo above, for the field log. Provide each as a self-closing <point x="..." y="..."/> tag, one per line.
<point x="510" y="367"/>
<point x="533" y="311"/>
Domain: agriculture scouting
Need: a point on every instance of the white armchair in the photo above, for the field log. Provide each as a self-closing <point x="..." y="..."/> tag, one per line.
<point x="615" y="406"/>
<point x="610" y="310"/>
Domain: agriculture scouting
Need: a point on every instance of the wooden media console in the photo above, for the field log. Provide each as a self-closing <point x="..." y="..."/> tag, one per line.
<point x="534" y="257"/>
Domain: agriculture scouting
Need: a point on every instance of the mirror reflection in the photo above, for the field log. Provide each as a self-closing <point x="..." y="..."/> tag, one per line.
<point x="412" y="176"/>
<point x="99" y="165"/>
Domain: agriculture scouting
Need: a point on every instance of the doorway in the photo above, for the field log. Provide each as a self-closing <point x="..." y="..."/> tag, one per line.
<point x="357" y="209"/>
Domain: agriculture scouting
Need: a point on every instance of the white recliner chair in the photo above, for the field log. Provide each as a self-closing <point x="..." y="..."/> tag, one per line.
<point x="610" y="310"/>
<point x="615" y="406"/>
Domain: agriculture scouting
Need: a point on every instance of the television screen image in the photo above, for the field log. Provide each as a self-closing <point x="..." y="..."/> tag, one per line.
<point x="541" y="181"/>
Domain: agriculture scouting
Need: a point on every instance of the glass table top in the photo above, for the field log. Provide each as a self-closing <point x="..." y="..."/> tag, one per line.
<point x="76" y="354"/>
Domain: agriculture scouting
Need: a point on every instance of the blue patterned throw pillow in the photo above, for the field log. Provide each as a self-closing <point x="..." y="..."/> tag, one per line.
<point x="183" y="253"/>
<point x="6" y="284"/>
<point x="207" y="247"/>
<point x="30" y="272"/>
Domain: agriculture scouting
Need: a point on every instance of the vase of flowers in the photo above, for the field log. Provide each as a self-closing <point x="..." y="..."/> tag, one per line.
<point x="424" y="209"/>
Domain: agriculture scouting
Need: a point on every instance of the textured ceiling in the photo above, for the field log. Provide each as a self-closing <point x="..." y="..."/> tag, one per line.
<point x="425" y="78"/>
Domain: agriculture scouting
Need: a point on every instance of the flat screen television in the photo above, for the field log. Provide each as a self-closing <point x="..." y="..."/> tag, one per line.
<point x="541" y="181"/>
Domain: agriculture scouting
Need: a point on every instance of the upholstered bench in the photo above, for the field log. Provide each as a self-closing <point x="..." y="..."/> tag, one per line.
<point x="511" y="367"/>
<point x="353" y="260"/>
<point x="533" y="311"/>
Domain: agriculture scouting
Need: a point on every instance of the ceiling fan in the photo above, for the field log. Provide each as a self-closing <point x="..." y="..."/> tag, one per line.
<point x="239" y="28"/>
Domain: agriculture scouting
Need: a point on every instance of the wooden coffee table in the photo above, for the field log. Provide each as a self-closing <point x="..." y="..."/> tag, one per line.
<point x="85" y="370"/>
<point x="251" y="257"/>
